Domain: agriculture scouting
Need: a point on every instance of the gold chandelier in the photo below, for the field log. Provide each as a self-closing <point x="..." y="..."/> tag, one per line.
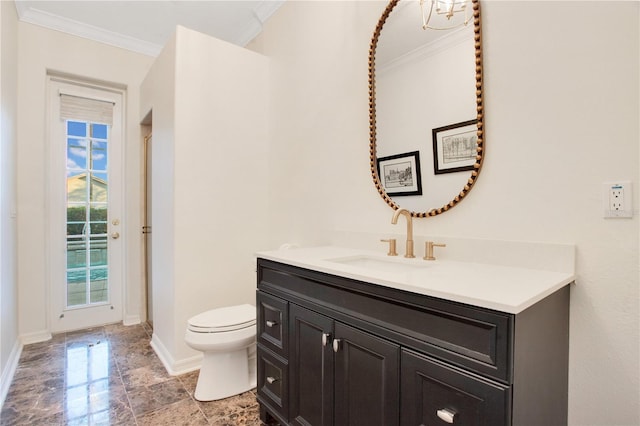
<point x="441" y="14"/>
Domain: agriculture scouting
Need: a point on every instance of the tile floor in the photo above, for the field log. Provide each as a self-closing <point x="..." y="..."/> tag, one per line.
<point x="110" y="376"/>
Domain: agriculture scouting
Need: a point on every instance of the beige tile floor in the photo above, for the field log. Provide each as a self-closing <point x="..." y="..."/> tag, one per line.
<point x="110" y="376"/>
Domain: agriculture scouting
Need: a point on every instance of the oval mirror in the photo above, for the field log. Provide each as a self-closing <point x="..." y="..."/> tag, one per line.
<point x="425" y="104"/>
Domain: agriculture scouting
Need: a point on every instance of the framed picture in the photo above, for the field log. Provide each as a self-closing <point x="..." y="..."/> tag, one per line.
<point x="400" y="174"/>
<point x="455" y="147"/>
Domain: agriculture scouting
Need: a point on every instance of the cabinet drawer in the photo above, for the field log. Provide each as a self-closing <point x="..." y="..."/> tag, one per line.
<point x="273" y="382"/>
<point x="273" y="322"/>
<point x="434" y="393"/>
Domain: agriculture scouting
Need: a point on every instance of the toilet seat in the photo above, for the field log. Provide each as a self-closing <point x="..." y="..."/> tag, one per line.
<point x="222" y="320"/>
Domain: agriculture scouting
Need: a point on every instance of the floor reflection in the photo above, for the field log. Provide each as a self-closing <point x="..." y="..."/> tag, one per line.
<point x="111" y="376"/>
<point x="87" y="383"/>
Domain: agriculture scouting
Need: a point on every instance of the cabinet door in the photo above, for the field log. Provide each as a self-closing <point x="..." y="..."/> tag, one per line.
<point x="366" y="379"/>
<point x="434" y="394"/>
<point x="311" y="367"/>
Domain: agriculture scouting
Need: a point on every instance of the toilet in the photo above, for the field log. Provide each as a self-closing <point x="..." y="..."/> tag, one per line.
<point x="227" y="338"/>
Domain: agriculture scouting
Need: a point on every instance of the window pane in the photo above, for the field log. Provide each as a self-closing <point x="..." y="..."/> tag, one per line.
<point x="76" y="153"/>
<point x="75" y="228"/>
<point x="76" y="128"/>
<point x="98" y="228"/>
<point x="98" y="251"/>
<point x="76" y="252"/>
<point x="76" y="213"/>
<point x="77" y="187"/>
<point x="98" y="155"/>
<point x="99" y="131"/>
<point x="98" y="212"/>
<point x="98" y="187"/>
<point x="98" y="285"/>
<point x="76" y="287"/>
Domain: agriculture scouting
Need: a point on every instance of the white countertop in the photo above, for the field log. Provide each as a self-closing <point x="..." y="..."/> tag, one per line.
<point x="502" y="288"/>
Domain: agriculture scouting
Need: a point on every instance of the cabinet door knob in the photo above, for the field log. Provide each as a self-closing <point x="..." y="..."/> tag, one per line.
<point x="271" y="323"/>
<point x="336" y="345"/>
<point x="325" y="338"/>
<point x="446" y="415"/>
<point x="271" y="380"/>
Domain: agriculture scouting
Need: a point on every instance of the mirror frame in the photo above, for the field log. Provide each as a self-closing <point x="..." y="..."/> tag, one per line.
<point x="479" y="107"/>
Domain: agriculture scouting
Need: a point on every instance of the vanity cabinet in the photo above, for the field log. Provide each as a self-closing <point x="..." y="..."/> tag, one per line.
<point x="338" y="351"/>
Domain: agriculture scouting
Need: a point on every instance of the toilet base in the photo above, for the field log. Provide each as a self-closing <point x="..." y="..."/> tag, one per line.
<point x="223" y="375"/>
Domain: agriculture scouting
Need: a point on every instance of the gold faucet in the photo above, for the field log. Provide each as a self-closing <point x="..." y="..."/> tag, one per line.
<point x="392" y="246"/>
<point x="428" y="248"/>
<point x="394" y="220"/>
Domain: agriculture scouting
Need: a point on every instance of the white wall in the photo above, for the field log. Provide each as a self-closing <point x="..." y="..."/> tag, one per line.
<point x="157" y="94"/>
<point x="562" y="116"/>
<point x="209" y="181"/>
<point x="40" y="50"/>
<point x="9" y="347"/>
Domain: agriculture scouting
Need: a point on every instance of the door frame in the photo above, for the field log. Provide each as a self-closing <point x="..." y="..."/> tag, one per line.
<point x="146" y="227"/>
<point x="55" y="244"/>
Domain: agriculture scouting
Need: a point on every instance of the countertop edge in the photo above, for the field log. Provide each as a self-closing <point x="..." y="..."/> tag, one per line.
<point x="558" y="281"/>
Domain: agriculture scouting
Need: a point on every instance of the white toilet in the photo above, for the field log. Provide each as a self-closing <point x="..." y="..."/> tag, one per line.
<point x="227" y="337"/>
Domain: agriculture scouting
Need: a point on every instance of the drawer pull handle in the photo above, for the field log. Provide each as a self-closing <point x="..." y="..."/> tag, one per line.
<point x="271" y="323"/>
<point x="271" y="380"/>
<point x="336" y="345"/>
<point x="325" y="338"/>
<point x="446" y="415"/>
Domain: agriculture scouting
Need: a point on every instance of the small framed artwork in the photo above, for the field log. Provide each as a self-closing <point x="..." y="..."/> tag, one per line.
<point x="400" y="174"/>
<point x="455" y="147"/>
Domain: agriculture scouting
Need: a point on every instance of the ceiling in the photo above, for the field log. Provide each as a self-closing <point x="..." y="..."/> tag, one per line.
<point x="145" y="26"/>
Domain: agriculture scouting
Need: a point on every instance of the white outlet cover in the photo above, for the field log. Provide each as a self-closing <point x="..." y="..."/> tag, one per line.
<point x="627" y="199"/>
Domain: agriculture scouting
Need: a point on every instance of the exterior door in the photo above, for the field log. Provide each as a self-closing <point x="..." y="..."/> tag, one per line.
<point x="85" y="205"/>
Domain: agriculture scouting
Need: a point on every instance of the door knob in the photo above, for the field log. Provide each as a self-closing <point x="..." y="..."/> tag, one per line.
<point x="336" y="345"/>
<point x="115" y="235"/>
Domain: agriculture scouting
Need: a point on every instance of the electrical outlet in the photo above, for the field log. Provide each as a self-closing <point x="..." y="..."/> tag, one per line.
<point x="616" y="199"/>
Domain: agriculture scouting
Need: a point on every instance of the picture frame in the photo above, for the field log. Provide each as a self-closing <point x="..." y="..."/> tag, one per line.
<point x="455" y="147"/>
<point x="400" y="174"/>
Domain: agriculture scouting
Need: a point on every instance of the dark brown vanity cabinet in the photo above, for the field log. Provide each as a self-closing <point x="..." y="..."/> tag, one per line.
<point x="335" y="351"/>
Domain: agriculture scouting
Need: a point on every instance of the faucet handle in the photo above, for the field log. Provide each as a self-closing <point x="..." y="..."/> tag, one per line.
<point x="392" y="246"/>
<point x="428" y="248"/>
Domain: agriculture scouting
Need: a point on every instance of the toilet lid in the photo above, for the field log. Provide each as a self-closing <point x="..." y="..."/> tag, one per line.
<point x="224" y="319"/>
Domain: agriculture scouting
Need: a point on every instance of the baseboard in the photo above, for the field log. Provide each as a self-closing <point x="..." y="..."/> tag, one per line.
<point x="173" y="367"/>
<point x="10" y="370"/>
<point x="35" y="337"/>
<point x="131" y="320"/>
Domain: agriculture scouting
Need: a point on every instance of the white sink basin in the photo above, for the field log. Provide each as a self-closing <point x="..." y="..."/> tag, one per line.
<point x="381" y="264"/>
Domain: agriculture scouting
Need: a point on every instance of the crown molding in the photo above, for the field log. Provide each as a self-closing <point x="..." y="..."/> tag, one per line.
<point x="33" y="15"/>
<point x="261" y="13"/>
<point x="69" y="26"/>
<point x="454" y="38"/>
